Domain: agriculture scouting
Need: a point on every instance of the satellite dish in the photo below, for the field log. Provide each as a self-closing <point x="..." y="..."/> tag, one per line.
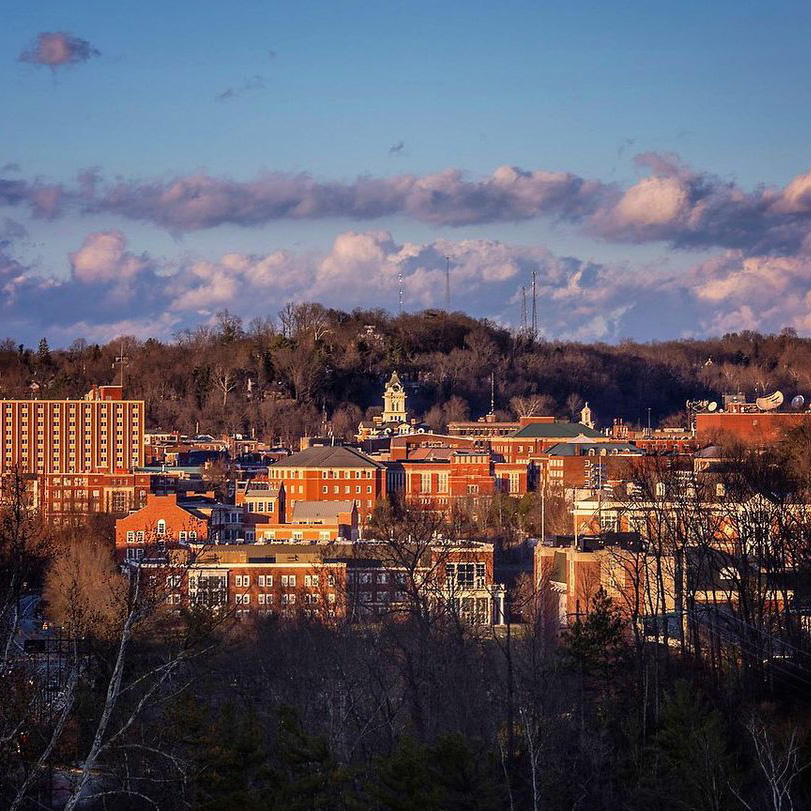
<point x="798" y="402"/>
<point x="713" y="406"/>
<point x="770" y="401"/>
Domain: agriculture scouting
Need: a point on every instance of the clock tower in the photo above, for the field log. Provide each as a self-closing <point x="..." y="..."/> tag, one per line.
<point x="394" y="400"/>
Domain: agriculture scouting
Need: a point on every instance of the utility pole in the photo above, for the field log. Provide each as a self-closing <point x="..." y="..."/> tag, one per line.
<point x="534" y="311"/>
<point x="448" y="283"/>
<point x="122" y="361"/>
<point x="523" y="310"/>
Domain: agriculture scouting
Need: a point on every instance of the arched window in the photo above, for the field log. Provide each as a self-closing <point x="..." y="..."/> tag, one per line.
<point x="161" y="528"/>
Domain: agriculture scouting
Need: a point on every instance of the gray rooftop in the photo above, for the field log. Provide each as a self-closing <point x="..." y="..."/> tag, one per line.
<point x="329" y="456"/>
<point x="319" y="512"/>
<point x="555" y="430"/>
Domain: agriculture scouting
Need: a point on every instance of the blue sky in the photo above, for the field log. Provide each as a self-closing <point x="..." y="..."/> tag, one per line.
<point x="338" y="91"/>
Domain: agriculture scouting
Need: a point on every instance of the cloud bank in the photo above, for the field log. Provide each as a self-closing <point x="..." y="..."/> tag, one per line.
<point x="671" y="204"/>
<point x="112" y="289"/>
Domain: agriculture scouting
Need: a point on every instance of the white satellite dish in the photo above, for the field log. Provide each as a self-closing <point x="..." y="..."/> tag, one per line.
<point x="770" y="401"/>
<point x="798" y="402"/>
<point x="713" y="406"/>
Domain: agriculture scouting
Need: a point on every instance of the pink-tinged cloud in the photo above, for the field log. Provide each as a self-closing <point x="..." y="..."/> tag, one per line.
<point x="58" y="49"/>
<point x="113" y="289"/>
<point x="444" y="198"/>
<point x="673" y="204"/>
<point x="103" y="258"/>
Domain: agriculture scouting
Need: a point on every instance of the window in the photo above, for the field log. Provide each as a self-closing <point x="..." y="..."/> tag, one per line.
<point x="331" y="580"/>
<point x="182" y="535"/>
<point x="262" y="599"/>
<point x="139" y="536"/>
<point x="131" y="536"/>
<point x="466" y="575"/>
<point x="261" y="581"/>
<point x="161" y="528"/>
<point x="242" y="599"/>
<point x="192" y="535"/>
<point x="173" y="581"/>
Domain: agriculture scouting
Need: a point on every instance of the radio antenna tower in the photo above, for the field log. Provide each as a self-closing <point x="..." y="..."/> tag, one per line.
<point x="400" y="290"/>
<point x="534" y="311"/>
<point x="523" y="310"/>
<point x="448" y="283"/>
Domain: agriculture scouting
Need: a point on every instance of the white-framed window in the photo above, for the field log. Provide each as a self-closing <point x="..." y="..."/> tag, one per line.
<point x="131" y="536"/>
<point x="161" y="528"/>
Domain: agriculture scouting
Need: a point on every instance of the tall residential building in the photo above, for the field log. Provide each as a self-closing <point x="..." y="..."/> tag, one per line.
<point x="103" y="433"/>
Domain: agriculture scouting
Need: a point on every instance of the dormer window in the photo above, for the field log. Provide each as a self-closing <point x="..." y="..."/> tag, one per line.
<point x="161" y="528"/>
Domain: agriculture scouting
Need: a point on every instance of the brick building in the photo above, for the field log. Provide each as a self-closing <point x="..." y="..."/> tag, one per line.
<point x="587" y="464"/>
<point x="162" y="523"/>
<point x="78" y="456"/>
<point x="569" y="571"/>
<point x="358" y="581"/>
<point x="538" y="434"/>
<point x="66" y="498"/>
<point x="103" y="433"/>
<point x="331" y="473"/>
<point x="751" y="427"/>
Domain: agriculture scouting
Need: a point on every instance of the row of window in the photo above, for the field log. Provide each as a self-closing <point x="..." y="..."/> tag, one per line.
<point x="286" y="599"/>
<point x="287" y="580"/>
<point x="139" y="536"/>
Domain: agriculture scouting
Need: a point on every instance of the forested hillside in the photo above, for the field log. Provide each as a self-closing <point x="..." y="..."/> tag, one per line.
<point x="279" y="376"/>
